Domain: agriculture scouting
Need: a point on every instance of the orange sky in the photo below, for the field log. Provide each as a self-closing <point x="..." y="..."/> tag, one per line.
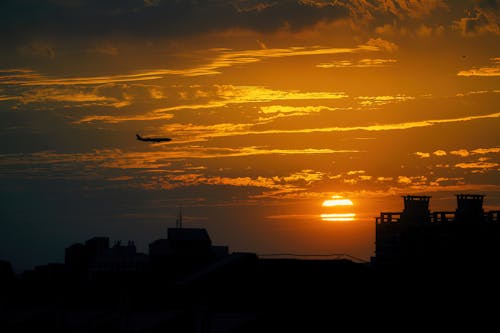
<point x="273" y="107"/>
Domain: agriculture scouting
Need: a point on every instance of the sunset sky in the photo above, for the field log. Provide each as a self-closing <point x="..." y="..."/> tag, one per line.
<point x="273" y="107"/>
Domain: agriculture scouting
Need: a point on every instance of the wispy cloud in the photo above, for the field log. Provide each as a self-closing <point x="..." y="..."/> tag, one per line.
<point x="477" y="165"/>
<point x="474" y="92"/>
<point x="460" y="152"/>
<point x="119" y="159"/>
<point x="493" y="70"/>
<point x="153" y="170"/>
<point x="481" y="19"/>
<point x="223" y="58"/>
<point x="106" y="49"/>
<point x="439" y="152"/>
<point x="74" y="95"/>
<point x="482" y="151"/>
<point x="295" y="109"/>
<point x="422" y="154"/>
<point x="381" y="100"/>
<point x="114" y="119"/>
<point x="192" y="132"/>
<point x="382" y="44"/>
<point x="39" y="49"/>
<point x="230" y="94"/>
<point x="363" y="63"/>
<point x="280" y="111"/>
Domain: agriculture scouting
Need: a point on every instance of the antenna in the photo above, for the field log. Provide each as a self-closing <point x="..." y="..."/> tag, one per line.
<point x="180" y="217"/>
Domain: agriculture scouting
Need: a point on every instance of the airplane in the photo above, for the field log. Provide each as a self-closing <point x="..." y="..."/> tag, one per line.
<point x="140" y="138"/>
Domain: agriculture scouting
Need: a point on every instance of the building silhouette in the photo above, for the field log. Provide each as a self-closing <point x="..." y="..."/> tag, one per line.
<point x="6" y="273"/>
<point x="417" y="239"/>
<point x="183" y="251"/>
<point x="186" y="284"/>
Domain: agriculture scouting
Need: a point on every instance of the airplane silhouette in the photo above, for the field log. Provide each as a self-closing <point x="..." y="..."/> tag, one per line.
<point x="140" y="138"/>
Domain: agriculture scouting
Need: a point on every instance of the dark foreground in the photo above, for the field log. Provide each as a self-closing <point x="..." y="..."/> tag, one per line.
<point x="247" y="294"/>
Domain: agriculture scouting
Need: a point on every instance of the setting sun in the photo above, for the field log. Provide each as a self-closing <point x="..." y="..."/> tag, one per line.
<point x="337" y="201"/>
<point x="339" y="210"/>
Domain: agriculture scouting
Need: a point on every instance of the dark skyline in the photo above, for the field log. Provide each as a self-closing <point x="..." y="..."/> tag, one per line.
<point x="274" y="108"/>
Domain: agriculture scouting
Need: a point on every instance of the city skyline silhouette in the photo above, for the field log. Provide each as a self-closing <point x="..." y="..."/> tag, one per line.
<point x="310" y="144"/>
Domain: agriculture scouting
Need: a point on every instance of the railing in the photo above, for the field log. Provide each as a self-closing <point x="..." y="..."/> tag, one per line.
<point x="440" y="217"/>
<point x="388" y="217"/>
<point x="434" y="217"/>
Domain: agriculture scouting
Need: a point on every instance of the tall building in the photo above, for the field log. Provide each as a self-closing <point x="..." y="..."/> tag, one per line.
<point x="417" y="239"/>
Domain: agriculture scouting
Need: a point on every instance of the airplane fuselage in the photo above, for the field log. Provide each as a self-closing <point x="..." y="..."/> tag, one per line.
<point x="156" y="140"/>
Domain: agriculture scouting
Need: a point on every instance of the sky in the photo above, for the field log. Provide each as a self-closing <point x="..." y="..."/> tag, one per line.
<point x="273" y="107"/>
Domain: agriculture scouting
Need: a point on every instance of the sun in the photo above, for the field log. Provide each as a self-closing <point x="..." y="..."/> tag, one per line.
<point x="336" y="201"/>
<point x="338" y="210"/>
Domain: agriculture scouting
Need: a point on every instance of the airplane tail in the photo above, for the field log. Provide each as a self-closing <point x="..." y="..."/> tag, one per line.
<point x="138" y="137"/>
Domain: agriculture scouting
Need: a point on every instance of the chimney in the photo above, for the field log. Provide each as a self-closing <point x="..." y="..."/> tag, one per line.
<point x="416" y="209"/>
<point x="469" y="208"/>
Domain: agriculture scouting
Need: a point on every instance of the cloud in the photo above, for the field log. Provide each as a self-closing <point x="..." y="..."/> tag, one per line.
<point x="193" y="133"/>
<point x="366" y="11"/>
<point x="223" y="58"/>
<point x="493" y="70"/>
<point x="114" y="119"/>
<point x="44" y="95"/>
<point x="253" y="6"/>
<point x="477" y="165"/>
<point x="106" y="49"/>
<point x="460" y="152"/>
<point x="404" y="180"/>
<point x="107" y="95"/>
<point x="152" y="3"/>
<point x="439" y="153"/>
<point x="438" y="181"/>
<point x="475" y="92"/>
<point x="422" y="155"/>
<point x="154" y="18"/>
<point x="308" y="176"/>
<point x="261" y="44"/>
<point x="481" y="19"/>
<point x="482" y="151"/>
<point x="41" y="49"/>
<point x="120" y="178"/>
<point x="224" y="95"/>
<point x="382" y="44"/>
<point x="153" y="170"/>
<point x="413" y="180"/>
<point x="279" y="111"/>
<point x="228" y="58"/>
<point x="36" y="79"/>
<point x="381" y="100"/>
<point x="429" y="31"/>
<point x="252" y="94"/>
<point x="363" y="63"/>
<point x="119" y="159"/>
<point x="8" y="98"/>
<point x="356" y="172"/>
<point x="414" y="9"/>
<point x="295" y="109"/>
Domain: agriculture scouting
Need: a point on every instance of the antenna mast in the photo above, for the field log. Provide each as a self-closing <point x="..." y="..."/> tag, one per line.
<point x="180" y="217"/>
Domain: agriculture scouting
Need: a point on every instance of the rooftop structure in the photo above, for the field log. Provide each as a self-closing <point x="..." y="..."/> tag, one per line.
<point x="417" y="238"/>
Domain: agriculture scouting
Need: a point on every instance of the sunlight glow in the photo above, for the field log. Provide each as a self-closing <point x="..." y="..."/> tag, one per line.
<point x="337" y="209"/>
<point x="338" y="217"/>
<point x="337" y="202"/>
